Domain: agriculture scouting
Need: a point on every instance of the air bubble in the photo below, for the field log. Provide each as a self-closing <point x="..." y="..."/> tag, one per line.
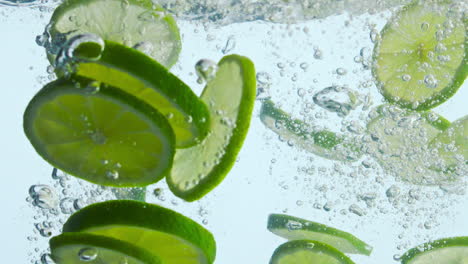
<point x="88" y="254"/>
<point x="206" y="70"/>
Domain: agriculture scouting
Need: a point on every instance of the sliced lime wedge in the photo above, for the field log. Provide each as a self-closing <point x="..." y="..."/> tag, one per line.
<point x="139" y="75"/>
<point x="444" y="251"/>
<point x="79" y="248"/>
<point x="308" y="251"/>
<point x="230" y="97"/>
<point x="174" y="238"/>
<point x="399" y="142"/>
<point x="135" y="23"/>
<point x="294" y="228"/>
<point x="322" y="143"/>
<point x="99" y="134"/>
<point x="421" y="59"/>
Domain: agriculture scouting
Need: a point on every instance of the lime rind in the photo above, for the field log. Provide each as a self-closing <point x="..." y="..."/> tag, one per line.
<point x="143" y="216"/>
<point x="300" y="248"/>
<point x="294" y="228"/>
<point x="78" y="241"/>
<point x="411" y="256"/>
<point x="186" y="158"/>
<point x="59" y="88"/>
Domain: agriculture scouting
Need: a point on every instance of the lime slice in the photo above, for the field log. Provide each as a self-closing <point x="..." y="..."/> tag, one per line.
<point x="139" y="75"/>
<point x="134" y="23"/>
<point x="322" y="143"/>
<point x="99" y="134"/>
<point x="294" y="228"/>
<point x="421" y="59"/>
<point x="399" y="142"/>
<point x="444" y="251"/>
<point x="174" y="238"/>
<point x="451" y="144"/>
<point x="79" y="248"/>
<point x="308" y="251"/>
<point x="230" y="97"/>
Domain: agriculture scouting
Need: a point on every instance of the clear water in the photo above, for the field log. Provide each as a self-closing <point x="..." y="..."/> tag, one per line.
<point x="329" y="45"/>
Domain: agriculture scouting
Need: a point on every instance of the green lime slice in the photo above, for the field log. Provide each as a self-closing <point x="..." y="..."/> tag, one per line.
<point x="79" y="248"/>
<point x="443" y="251"/>
<point x="421" y="59"/>
<point x="99" y="133"/>
<point x="322" y="143"/>
<point x="135" y="23"/>
<point x="451" y="144"/>
<point x="230" y="95"/>
<point x="174" y="238"/>
<point x="294" y="228"/>
<point x="308" y="251"/>
<point x="139" y="75"/>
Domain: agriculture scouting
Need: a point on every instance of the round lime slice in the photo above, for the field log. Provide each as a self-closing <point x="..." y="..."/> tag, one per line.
<point x="142" y="77"/>
<point x="141" y="24"/>
<point x="230" y="95"/>
<point x="294" y="228"/>
<point x="399" y="142"/>
<point x="421" y="59"/>
<point x="99" y="133"/>
<point x="322" y="143"/>
<point x="444" y="251"/>
<point x="174" y="238"/>
<point x="79" y="248"/>
<point x="308" y="251"/>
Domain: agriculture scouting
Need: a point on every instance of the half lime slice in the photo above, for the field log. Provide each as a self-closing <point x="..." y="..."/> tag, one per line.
<point x="79" y="248"/>
<point x="135" y="23"/>
<point x="230" y="95"/>
<point x="294" y="228"/>
<point x="322" y="143"/>
<point x="142" y="77"/>
<point x="99" y="133"/>
<point x="421" y="59"/>
<point x="444" y="251"/>
<point x="308" y="251"/>
<point x="174" y="238"/>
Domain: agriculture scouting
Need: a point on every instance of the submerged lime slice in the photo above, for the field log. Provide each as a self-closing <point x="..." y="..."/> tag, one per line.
<point x="308" y="252"/>
<point x="322" y="143"/>
<point x="444" y="251"/>
<point x="294" y="228"/>
<point x="139" y="75"/>
<point x="134" y="23"/>
<point x="174" y="238"/>
<point x="230" y="97"/>
<point x="79" y="248"/>
<point x="421" y="59"/>
<point x="99" y="134"/>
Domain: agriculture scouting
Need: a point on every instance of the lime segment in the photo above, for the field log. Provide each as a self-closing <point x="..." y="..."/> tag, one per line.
<point x="174" y="238"/>
<point x="421" y="59"/>
<point x="444" y="251"/>
<point x="79" y="248"/>
<point x="308" y="251"/>
<point x="101" y="135"/>
<point x="230" y="97"/>
<point x="452" y="144"/>
<point x="294" y="228"/>
<point x="134" y="23"/>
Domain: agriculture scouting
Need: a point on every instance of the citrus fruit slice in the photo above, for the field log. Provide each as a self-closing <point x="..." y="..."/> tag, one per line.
<point x="420" y="60"/>
<point x="399" y="142"/>
<point x="294" y="228"/>
<point x="174" y="238"/>
<point x="444" y="251"/>
<point x="139" y="75"/>
<point x="230" y="95"/>
<point x="99" y="134"/>
<point x="308" y="251"/>
<point x="79" y="248"/>
<point x="322" y="143"/>
<point x="141" y="24"/>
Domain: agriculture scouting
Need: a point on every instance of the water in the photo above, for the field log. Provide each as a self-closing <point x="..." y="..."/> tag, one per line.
<point x="320" y="48"/>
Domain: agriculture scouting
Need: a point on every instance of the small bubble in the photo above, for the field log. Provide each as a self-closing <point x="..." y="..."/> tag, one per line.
<point x="206" y="70"/>
<point x="47" y="259"/>
<point x="318" y="54"/>
<point x="88" y="254"/>
<point x="341" y="71"/>
<point x="112" y="174"/>
<point x="406" y="77"/>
